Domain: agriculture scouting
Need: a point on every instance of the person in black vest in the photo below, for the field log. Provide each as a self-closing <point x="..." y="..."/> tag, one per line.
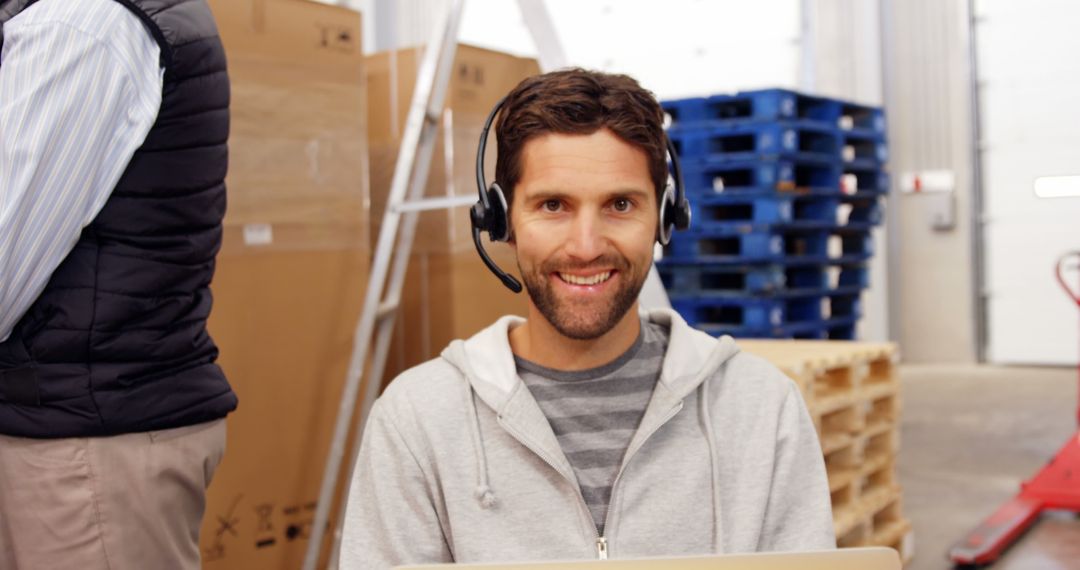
<point x="114" y="118"/>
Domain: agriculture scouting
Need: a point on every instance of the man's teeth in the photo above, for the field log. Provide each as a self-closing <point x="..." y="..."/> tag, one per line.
<point x="591" y="280"/>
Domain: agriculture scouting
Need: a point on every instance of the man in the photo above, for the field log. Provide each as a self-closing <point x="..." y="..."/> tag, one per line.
<point x="113" y="129"/>
<point x="587" y="430"/>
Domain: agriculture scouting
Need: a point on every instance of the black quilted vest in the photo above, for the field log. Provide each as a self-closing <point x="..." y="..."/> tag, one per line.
<point x="117" y="341"/>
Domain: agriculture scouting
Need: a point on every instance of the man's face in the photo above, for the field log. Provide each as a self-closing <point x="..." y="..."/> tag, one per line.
<point x="584" y="218"/>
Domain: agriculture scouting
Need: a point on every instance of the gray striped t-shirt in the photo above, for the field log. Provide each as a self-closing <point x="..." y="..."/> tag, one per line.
<point x="594" y="413"/>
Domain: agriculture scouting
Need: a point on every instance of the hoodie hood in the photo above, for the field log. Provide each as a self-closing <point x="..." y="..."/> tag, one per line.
<point x="487" y="361"/>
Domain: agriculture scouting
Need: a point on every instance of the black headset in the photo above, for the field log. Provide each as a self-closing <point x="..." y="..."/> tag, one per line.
<point x="491" y="213"/>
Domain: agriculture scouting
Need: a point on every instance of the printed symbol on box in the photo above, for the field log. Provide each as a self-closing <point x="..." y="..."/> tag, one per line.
<point x="297" y="529"/>
<point x="300" y="530"/>
<point x="264" y="512"/>
<point x="228" y="522"/>
<point x="214" y="552"/>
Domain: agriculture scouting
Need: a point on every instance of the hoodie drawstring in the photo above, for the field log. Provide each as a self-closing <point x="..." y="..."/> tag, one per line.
<point x="710" y="439"/>
<point x="484" y="494"/>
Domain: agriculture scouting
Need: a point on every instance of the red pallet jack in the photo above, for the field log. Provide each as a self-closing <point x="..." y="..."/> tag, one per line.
<point x="1055" y="487"/>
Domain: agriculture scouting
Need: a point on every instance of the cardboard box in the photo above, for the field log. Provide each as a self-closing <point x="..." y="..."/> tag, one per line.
<point x="292" y="272"/>
<point x="449" y="293"/>
<point x="481" y="77"/>
<point x="298" y="150"/>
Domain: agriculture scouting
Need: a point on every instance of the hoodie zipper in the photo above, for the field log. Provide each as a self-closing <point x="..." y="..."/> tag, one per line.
<point x="601" y="542"/>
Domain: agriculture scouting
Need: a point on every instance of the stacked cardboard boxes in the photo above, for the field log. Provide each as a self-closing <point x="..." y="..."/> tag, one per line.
<point x="292" y="270"/>
<point x="448" y="293"/>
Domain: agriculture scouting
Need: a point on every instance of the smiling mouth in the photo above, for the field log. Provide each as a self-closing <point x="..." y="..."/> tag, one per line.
<point x="585" y="280"/>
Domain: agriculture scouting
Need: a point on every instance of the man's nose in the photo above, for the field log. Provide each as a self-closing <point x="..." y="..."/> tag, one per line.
<point x="586" y="236"/>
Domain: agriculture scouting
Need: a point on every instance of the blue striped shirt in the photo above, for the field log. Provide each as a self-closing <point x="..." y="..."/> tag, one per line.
<point x="80" y="87"/>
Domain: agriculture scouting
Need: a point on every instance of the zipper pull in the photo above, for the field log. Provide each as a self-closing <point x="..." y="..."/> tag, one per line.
<point x="601" y="548"/>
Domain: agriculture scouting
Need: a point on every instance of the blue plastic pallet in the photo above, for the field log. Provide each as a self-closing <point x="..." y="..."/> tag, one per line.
<point x="701" y="280"/>
<point x="707" y="279"/>
<point x="862" y="195"/>
<point x="722" y="209"/>
<point x="854" y="276"/>
<point x="782" y="294"/>
<point x="836" y="261"/>
<point x="733" y="246"/>
<point x="846" y="304"/>
<point x="742" y="193"/>
<point x="748" y="141"/>
<point x="741" y="227"/>
<point x="841" y="331"/>
<point x="841" y="328"/>
<point x="725" y="245"/>
<point x="765" y="313"/>
<point x="864" y="149"/>
<point x="861" y="118"/>
<point x="704" y="177"/>
<point x="865" y="211"/>
<point x="856" y="242"/>
<point x="752" y="312"/>
<point x="767" y="104"/>
<point x="867" y="178"/>
<point x="833" y="329"/>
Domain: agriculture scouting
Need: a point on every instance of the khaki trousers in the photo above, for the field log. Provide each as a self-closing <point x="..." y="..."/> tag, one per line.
<point x="132" y="501"/>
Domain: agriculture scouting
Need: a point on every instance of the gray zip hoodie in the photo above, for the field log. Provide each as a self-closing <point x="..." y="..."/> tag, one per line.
<point x="458" y="463"/>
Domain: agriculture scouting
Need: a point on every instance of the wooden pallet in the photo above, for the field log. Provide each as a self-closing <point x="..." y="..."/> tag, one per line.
<point x="877" y="514"/>
<point x="882" y="524"/>
<point x="852" y="391"/>
<point x="830" y="374"/>
<point x="860" y="490"/>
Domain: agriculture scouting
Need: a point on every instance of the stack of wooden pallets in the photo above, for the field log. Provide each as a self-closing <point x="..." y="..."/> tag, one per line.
<point x="853" y="392"/>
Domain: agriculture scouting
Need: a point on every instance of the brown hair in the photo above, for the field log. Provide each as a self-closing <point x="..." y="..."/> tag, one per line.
<point x="577" y="101"/>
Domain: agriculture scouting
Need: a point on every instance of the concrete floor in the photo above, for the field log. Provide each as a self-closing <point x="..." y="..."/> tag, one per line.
<point x="969" y="436"/>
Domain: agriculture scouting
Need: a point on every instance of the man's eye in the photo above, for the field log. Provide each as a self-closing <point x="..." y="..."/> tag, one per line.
<point x="552" y="205"/>
<point x="621" y="205"/>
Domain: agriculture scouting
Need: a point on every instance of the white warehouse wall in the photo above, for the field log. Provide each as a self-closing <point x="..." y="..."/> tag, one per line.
<point x="1029" y="86"/>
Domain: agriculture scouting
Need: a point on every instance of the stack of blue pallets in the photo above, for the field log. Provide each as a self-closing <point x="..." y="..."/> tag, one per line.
<point x="785" y="190"/>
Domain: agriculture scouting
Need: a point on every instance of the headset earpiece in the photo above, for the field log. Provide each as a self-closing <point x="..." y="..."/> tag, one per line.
<point x="686" y="215"/>
<point x="491" y="215"/>
<point x="498" y="220"/>
<point x="667" y="215"/>
<point x="674" y="207"/>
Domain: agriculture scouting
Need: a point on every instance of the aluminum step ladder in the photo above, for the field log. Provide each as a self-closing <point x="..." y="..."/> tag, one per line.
<point x="382" y="299"/>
